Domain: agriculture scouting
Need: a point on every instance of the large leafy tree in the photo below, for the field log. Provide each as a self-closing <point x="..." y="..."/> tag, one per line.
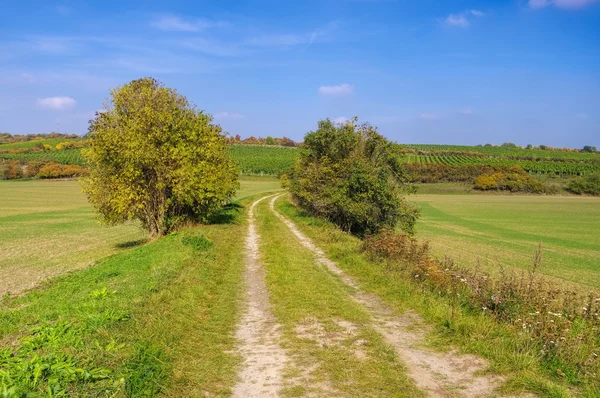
<point x="155" y="158"/>
<point x="351" y="175"/>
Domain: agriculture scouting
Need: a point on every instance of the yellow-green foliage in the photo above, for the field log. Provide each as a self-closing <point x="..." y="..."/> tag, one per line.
<point x="155" y="158"/>
<point x="514" y="180"/>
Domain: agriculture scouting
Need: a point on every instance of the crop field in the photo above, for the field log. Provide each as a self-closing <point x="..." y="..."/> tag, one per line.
<point x="502" y="151"/>
<point x="65" y="156"/>
<point x="505" y="229"/>
<point x="48" y="228"/>
<point x="32" y="143"/>
<point x="257" y="159"/>
<point x="531" y="160"/>
<point x="251" y="159"/>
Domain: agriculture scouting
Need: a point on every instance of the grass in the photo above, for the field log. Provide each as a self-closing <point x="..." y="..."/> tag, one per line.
<point x="506" y="229"/>
<point x="343" y="356"/>
<point x="156" y="319"/>
<point x="48" y="228"/>
<point x="509" y="352"/>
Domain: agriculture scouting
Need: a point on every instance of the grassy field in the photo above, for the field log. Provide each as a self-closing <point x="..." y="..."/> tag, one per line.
<point x="48" y="228"/>
<point x="507" y="228"/>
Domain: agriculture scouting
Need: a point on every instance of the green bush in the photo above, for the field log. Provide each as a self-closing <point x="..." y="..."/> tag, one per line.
<point x="350" y="175"/>
<point x="514" y="180"/>
<point x="589" y="184"/>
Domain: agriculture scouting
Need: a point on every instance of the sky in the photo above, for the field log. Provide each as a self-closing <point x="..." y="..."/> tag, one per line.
<point x="445" y="72"/>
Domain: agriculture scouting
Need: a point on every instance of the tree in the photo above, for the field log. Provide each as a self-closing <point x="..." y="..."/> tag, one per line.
<point x="529" y="146"/>
<point x="509" y="145"/>
<point x="589" y="148"/>
<point x="270" y="141"/>
<point x="153" y="157"/>
<point x="350" y="175"/>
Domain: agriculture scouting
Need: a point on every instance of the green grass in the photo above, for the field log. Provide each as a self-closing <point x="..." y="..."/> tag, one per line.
<point x="505" y="229"/>
<point x="159" y="318"/>
<point x="509" y="352"/>
<point x="303" y="294"/>
<point x="48" y="228"/>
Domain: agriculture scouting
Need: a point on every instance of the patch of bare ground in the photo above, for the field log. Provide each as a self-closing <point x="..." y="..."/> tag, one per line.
<point x="439" y="374"/>
<point x="258" y="333"/>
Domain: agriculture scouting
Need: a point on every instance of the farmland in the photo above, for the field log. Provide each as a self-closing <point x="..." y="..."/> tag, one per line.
<point x="534" y="161"/>
<point x="506" y="230"/>
<point x="251" y="159"/>
<point x="48" y="228"/>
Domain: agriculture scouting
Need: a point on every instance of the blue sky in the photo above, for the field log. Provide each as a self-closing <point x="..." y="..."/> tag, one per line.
<point x="464" y="72"/>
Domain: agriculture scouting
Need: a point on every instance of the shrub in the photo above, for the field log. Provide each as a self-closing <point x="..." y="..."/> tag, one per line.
<point x="589" y="184"/>
<point x="350" y="175"/>
<point x="57" y="170"/>
<point x="155" y="158"/>
<point x="514" y="180"/>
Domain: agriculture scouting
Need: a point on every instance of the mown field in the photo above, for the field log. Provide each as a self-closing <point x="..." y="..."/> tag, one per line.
<point x="48" y="228"/>
<point x="506" y="229"/>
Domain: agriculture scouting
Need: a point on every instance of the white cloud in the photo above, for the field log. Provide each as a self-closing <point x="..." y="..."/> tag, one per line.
<point x="566" y="4"/>
<point x="477" y="13"/>
<point x="463" y="19"/>
<point x="173" y="23"/>
<point x="56" y="103"/>
<point x="457" y="20"/>
<point x="340" y="120"/>
<point x="466" y="111"/>
<point x="228" y="115"/>
<point x="342" y="89"/>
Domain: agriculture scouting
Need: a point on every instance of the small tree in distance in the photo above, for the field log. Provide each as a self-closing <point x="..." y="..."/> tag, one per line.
<point x="350" y="174"/>
<point x="153" y="157"/>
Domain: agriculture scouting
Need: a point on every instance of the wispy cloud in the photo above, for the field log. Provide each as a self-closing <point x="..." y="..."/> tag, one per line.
<point x="463" y="19"/>
<point x="173" y="23"/>
<point x="228" y="115"/>
<point x="466" y="111"/>
<point x="292" y="39"/>
<point x="342" y="89"/>
<point x="56" y="103"/>
<point x="565" y="4"/>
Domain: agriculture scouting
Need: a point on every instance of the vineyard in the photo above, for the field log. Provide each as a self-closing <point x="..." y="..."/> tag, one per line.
<point x="530" y="160"/>
<point x="259" y="159"/>
<point x="65" y="156"/>
<point x="251" y="159"/>
<point x="273" y="160"/>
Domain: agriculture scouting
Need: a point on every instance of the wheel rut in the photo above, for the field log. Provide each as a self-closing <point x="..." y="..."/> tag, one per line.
<point x="258" y="333"/>
<point x="439" y="374"/>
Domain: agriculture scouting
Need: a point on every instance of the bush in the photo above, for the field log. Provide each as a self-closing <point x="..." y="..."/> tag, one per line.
<point x="589" y="184"/>
<point x="514" y="180"/>
<point x="350" y="175"/>
<point x="57" y="170"/>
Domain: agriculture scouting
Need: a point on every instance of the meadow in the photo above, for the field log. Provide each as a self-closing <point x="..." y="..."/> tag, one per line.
<point x="506" y="229"/>
<point x="48" y="228"/>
